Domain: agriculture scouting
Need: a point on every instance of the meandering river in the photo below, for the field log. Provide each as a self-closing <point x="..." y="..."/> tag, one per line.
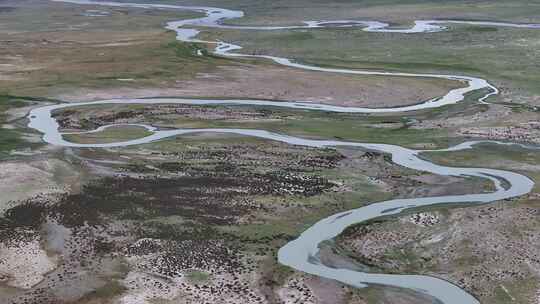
<point x="303" y="253"/>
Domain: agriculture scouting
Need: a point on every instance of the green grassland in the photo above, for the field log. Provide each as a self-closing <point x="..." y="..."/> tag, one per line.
<point x="496" y="156"/>
<point x="62" y="51"/>
<point x="393" y="129"/>
<point x="509" y="58"/>
<point x="58" y="49"/>
<point x="290" y="221"/>
<point x="10" y="138"/>
<point x="396" y="11"/>
<point x="112" y="134"/>
<point x="99" y="52"/>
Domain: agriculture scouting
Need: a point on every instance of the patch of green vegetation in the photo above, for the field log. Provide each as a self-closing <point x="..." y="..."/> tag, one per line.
<point x="280" y="12"/>
<point x="8" y="101"/>
<point x="519" y="291"/>
<point x="495" y="156"/>
<point x="317" y="124"/>
<point x="112" y="134"/>
<point x="187" y="50"/>
<point x="129" y="44"/>
<point x="274" y="230"/>
<point x="197" y="277"/>
<point x="408" y="260"/>
<point x="473" y="50"/>
<point x="381" y="294"/>
<point x="107" y="291"/>
<point x="10" y="139"/>
<point x="481" y="29"/>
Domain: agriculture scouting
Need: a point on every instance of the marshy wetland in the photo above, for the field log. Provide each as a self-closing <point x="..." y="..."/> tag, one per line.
<point x="235" y="188"/>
